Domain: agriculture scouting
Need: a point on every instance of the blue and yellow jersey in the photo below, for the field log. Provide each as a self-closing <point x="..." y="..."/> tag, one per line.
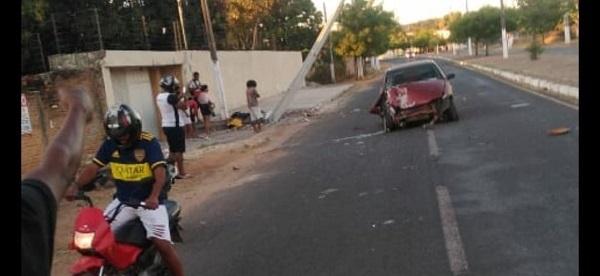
<point x="132" y="168"/>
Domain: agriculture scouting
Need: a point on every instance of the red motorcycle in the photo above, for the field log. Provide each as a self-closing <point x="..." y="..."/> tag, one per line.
<point x="123" y="252"/>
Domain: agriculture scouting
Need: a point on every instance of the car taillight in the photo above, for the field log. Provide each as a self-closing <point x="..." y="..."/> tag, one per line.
<point x="83" y="240"/>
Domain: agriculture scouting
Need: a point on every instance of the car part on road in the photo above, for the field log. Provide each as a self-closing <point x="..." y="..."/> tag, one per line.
<point x="559" y="131"/>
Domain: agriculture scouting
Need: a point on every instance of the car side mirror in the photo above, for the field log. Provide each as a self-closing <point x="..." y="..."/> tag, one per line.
<point x="450" y="76"/>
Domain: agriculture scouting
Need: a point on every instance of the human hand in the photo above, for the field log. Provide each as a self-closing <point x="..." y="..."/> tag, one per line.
<point x="77" y="98"/>
<point x="71" y="192"/>
<point x="151" y="202"/>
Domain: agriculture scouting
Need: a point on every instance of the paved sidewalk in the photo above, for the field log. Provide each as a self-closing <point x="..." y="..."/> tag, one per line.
<point x="558" y="63"/>
<point x="308" y="98"/>
<point x="305" y="98"/>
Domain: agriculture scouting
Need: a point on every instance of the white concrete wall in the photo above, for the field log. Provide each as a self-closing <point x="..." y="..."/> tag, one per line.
<point x="141" y="58"/>
<point x="272" y="70"/>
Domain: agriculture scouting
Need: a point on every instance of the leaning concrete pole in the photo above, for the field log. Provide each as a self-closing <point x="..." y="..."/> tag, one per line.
<point x="298" y="81"/>
<point x="213" y="55"/>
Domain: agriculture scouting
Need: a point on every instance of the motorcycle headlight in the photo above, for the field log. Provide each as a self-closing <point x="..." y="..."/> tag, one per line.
<point x="83" y="240"/>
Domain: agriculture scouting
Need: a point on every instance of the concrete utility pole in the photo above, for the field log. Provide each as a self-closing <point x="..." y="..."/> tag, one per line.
<point x="213" y="55"/>
<point x="331" y="64"/>
<point x="503" y="23"/>
<point x="101" y="44"/>
<point x="39" y="41"/>
<point x="306" y="65"/>
<point x="469" y="40"/>
<point x="55" y="33"/>
<point x="182" y="26"/>
<point x="145" y="29"/>
<point x="175" y="35"/>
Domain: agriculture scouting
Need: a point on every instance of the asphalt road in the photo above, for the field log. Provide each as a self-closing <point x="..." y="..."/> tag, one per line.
<point x="491" y="194"/>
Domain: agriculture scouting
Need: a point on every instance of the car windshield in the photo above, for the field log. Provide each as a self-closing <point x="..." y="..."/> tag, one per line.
<point x="412" y="74"/>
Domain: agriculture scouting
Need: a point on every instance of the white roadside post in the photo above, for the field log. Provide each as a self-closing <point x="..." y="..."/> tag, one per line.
<point x="503" y="23"/>
<point x="567" y="29"/>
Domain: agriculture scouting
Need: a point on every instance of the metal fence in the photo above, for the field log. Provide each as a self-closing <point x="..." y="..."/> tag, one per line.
<point x="93" y="29"/>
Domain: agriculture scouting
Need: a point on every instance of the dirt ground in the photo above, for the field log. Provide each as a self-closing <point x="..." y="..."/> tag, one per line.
<point x="214" y="169"/>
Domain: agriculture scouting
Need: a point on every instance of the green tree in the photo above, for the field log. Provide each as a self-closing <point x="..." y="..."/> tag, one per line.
<point x="540" y="16"/>
<point x="399" y="39"/>
<point x="245" y="19"/>
<point x="483" y="26"/>
<point x="423" y="39"/>
<point x="489" y="25"/>
<point x="292" y="25"/>
<point x="365" y="31"/>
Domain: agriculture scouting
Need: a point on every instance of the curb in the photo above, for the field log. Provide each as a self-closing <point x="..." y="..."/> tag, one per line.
<point x="558" y="91"/>
<point x="316" y="107"/>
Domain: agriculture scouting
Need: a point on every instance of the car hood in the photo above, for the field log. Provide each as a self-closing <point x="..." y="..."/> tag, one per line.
<point x="416" y="93"/>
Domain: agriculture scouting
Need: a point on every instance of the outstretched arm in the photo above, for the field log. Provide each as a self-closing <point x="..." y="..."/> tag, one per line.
<point x="61" y="159"/>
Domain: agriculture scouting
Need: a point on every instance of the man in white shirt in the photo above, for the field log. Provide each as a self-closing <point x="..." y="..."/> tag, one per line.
<point x="173" y="121"/>
<point x="194" y="85"/>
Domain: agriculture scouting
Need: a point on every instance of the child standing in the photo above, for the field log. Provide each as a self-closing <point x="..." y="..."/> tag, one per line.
<point x="252" y="96"/>
<point x="206" y="107"/>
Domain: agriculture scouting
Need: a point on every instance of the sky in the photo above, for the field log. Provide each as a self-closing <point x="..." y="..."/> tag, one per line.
<point x="411" y="11"/>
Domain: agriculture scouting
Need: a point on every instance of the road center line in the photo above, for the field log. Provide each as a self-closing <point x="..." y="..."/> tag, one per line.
<point x="433" y="147"/>
<point x="519" y="105"/>
<point x="454" y="245"/>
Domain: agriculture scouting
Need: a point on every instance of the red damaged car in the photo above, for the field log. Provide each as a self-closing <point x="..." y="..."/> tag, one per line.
<point x="415" y="91"/>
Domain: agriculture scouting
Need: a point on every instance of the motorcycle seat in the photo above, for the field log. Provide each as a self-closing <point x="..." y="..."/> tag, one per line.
<point x="132" y="232"/>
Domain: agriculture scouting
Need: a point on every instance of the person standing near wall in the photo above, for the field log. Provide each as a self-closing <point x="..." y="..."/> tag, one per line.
<point x="206" y="108"/>
<point x="192" y="106"/>
<point x="171" y="107"/>
<point x="252" y="96"/>
<point x="194" y="85"/>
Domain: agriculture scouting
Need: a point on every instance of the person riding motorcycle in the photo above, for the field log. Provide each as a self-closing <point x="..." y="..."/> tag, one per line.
<point x="137" y="166"/>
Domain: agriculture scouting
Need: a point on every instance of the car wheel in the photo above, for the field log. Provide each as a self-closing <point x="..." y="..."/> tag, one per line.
<point x="388" y="122"/>
<point x="451" y="113"/>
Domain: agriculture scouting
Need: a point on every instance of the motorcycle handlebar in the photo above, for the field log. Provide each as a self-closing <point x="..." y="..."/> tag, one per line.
<point x="82" y="196"/>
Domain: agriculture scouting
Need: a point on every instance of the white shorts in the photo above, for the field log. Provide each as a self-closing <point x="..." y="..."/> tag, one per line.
<point x="187" y="120"/>
<point x="255" y="113"/>
<point x="156" y="222"/>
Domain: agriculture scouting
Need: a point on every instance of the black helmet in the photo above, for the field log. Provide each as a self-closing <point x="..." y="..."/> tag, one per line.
<point x="120" y="120"/>
<point x="169" y="83"/>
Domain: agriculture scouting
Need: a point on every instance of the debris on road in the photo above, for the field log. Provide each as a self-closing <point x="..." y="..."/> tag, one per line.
<point x="389" y="221"/>
<point x="326" y="192"/>
<point x="559" y="131"/>
<point x="235" y="168"/>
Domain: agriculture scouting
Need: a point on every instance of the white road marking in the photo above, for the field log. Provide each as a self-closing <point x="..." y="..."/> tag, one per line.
<point x="328" y="191"/>
<point x="519" y="105"/>
<point x="454" y="245"/>
<point x="433" y="148"/>
<point x="359" y="136"/>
